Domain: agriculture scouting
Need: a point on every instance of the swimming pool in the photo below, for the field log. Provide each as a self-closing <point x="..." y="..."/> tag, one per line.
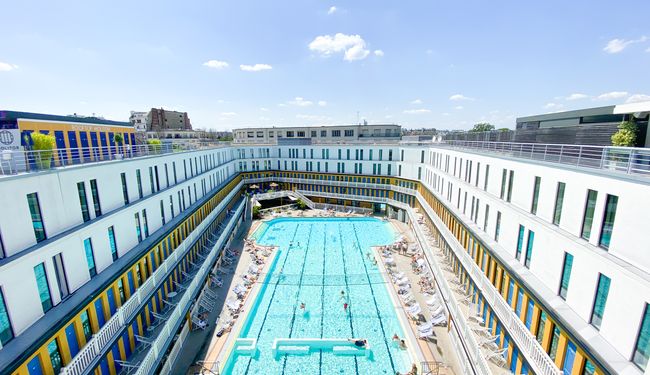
<point x="317" y="259"/>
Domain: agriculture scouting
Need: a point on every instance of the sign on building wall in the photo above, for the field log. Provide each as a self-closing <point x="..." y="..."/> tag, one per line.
<point x="10" y="140"/>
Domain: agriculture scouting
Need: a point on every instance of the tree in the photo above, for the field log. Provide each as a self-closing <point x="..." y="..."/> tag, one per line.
<point x="482" y="127"/>
<point x="626" y="134"/>
<point x="256" y="212"/>
<point x="118" y="138"/>
<point x="301" y="205"/>
<point x="43" y="144"/>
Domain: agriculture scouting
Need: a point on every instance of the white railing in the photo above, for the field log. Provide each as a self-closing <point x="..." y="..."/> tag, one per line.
<point x="158" y="346"/>
<point x="94" y="348"/>
<point x="178" y="345"/>
<point x="339" y="208"/>
<point x="527" y="344"/>
<point x="303" y="198"/>
<point x="628" y="160"/>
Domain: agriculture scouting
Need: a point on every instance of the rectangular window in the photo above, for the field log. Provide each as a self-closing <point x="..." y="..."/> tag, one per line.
<point x="497" y="227"/>
<point x="162" y="212"/>
<point x="588" y="217"/>
<point x="336" y="133"/>
<point x="2" y="248"/>
<point x="510" y="183"/>
<point x="125" y="192"/>
<point x="6" y="332"/>
<point x="171" y="205"/>
<point x="139" y="179"/>
<point x="55" y="356"/>
<point x="37" y="218"/>
<point x="61" y="279"/>
<point x="90" y="257"/>
<point x="85" y="325"/>
<point x="487" y="175"/>
<point x="608" y="223"/>
<point x="43" y="286"/>
<point x="566" y="275"/>
<point x="138" y="231"/>
<point x="504" y="176"/>
<point x="555" y="339"/>
<point x="599" y="302"/>
<point x="487" y="215"/>
<point x="151" y="185"/>
<point x="95" y="194"/>
<point x="145" y="226"/>
<point x="112" y="243"/>
<point x="520" y="241"/>
<point x="174" y="169"/>
<point x="533" y="207"/>
<point x="81" y="189"/>
<point x="559" y="200"/>
<point x="540" y="328"/>
<point x="529" y="248"/>
<point x="641" y="351"/>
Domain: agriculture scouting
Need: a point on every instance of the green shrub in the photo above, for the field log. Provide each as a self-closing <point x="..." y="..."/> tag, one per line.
<point x="256" y="212"/>
<point x="44" y="144"/>
<point x="626" y="134"/>
<point x="118" y="138"/>
<point x="301" y="205"/>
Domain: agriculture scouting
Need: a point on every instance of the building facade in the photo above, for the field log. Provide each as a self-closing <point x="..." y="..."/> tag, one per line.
<point x="163" y="120"/>
<point x="319" y="134"/>
<point x="551" y="255"/>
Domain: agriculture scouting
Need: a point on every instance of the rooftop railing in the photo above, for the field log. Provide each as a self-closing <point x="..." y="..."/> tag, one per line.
<point x="625" y="160"/>
<point x="27" y="161"/>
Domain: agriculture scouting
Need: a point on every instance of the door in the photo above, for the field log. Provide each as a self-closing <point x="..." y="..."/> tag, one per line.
<point x="513" y="362"/>
<point x="60" y="145"/>
<point x="569" y="357"/>
<point x="104" y="146"/>
<point x="71" y="336"/>
<point x="99" y="309"/>
<point x="95" y="144"/>
<point x="34" y="367"/>
<point x="111" y="301"/>
<point x="111" y="141"/>
<point x="74" y="147"/>
<point x="61" y="279"/>
<point x="85" y="147"/>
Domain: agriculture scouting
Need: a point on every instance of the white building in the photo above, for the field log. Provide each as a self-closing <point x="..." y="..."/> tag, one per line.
<point x="139" y="121"/>
<point x="319" y="134"/>
<point x="550" y="247"/>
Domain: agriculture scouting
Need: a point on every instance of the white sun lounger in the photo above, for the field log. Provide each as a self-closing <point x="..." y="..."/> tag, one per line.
<point x="438" y="310"/>
<point x="425" y="326"/>
<point x="433" y="301"/>
<point x="403" y="281"/>
<point x="414" y="310"/>
<point x="426" y="333"/>
<point x="439" y="320"/>
<point x="233" y="306"/>
<point x="390" y="261"/>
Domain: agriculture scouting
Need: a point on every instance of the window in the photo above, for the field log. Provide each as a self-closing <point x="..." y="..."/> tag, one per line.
<point x="510" y="183"/>
<point x="540" y="328"/>
<point x="336" y="133"/>
<point x="162" y="212"/>
<point x="588" y="217"/>
<point x="559" y="200"/>
<point x="349" y="133"/>
<point x="608" y="223"/>
<point x="290" y="133"/>
<point x="520" y="241"/>
<point x="2" y="248"/>
<point x="171" y="205"/>
<point x="599" y="302"/>
<point x="125" y="192"/>
<point x="504" y="176"/>
<point x="61" y="279"/>
<point x="6" y="332"/>
<point x="529" y="248"/>
<point x="497" y="227"/>
<point x="81" y="189"/>
<point x="566" y="275"/>
<point x="55" y="356"/>
<point x="174" y="168"/>
<point x="95" y="194"/>
<point x="152" y="187"/>
<point x="533" y="208"/>
<point x="112" y="243"/>
<point x="43" y="286"/>
<point x="487" y="174"/>
<point x="85" y="324"/>
<point x="313" y="133"/>
<point x="301" y="133"/>
<point x="90" y="257"/>
<point x="137" y="226"/>
<point x="139" y="178"/>
<point x="487" y="215"/>
<point x="555" y="339"/>
<point x="323" y="133"/>
<point x="144" y="223"/>
<point x="641" y="351"/>
<point x="37" y="218"/>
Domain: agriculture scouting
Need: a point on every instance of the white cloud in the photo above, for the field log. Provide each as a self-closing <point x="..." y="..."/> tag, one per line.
<point x="255" y="68"/>
<point x="300" y="102"/>
<point x="612" y="95"/>
<point x="332" y="10"/>
<point x="457" y="97"/>
<point x="618" y="45"/>
<point x="577" y="96"/>
<point x="417" y="111"/>
<point x="228" y="113"/>
<point x="416" y="101"/>
<point x="458" y="107"/>
<point x="264" y="109"/>
<point x="638" y="98"/>
<point x="6" y="67"/>
<point x="379" y="53"/>
<point x="322" y="103"/>
<point x="554" y="106"/>
<point x="353" y="46"/>
<point x="216" y="64"/>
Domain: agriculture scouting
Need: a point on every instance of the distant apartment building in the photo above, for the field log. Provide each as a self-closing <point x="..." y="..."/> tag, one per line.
<point x="164" y="120"/>
<point x="139" y="121"/>
<point x="319" y="134"/>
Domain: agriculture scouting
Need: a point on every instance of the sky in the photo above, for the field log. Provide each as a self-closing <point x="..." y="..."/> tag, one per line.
<point x="442" y="64"/>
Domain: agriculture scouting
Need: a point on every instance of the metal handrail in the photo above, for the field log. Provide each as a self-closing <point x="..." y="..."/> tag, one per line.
<point x="626" y="160"/>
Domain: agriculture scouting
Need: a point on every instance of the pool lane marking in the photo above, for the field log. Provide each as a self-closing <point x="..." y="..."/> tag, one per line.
<point x="275" y="288"/>
<point x="347" y="297"/>
<point x="322" y="303"/>
<point x="295" y="305"/>
<point x="381" y="324"/>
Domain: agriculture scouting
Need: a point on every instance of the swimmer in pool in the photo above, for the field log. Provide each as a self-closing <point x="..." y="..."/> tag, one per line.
<point x="302" y="305"/>
<point x="361" y="343"/>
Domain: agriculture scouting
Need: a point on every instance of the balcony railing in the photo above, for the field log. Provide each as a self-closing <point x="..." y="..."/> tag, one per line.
<point x="626" y="160"/>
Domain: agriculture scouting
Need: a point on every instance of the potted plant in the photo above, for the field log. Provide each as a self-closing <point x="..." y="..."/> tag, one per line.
<point x="43" y="147"/>
<point x="624" y="137"/>
<point x="155" y="146"/>
<point x="256" y="212"/>
<point x="118" y="139"/>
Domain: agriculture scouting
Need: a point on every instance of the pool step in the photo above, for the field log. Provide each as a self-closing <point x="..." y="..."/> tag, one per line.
<point x="302" y="346"/>
<point x="246" y="346"/>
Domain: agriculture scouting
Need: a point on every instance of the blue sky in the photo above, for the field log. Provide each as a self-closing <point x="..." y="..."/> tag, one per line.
<point x="443" y="64"/>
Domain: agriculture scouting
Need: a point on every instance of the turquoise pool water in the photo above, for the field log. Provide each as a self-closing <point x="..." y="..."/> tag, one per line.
<point x="316" y="260"/>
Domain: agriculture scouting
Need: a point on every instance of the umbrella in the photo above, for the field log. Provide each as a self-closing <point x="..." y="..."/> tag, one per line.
<point x="253" y="186"/>
<point x="273" y="185"/>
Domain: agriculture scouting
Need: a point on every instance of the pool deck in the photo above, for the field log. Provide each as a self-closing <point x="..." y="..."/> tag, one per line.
<point x="206" y="347"/>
